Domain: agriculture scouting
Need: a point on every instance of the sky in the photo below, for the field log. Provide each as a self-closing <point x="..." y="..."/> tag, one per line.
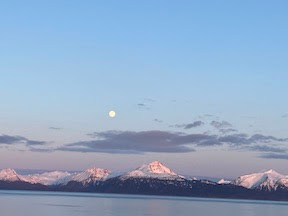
<point x="198" y="85"/>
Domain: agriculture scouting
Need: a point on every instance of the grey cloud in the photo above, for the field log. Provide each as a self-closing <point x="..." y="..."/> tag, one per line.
<point x="194" y="124"/>
<point x="235" y="139"/>
<point x="220" y="124"/>
<point x="274" y="156"/>
<point x="157" y="120"/>
<point x="244" y="139"/>
<point x="33" y="149"/>
<point x="263" y="148"/>
<point x="143" y="106"/>
<point x="228" y="130"/>
<point x="189" y="126"/>
<point x="34" y="142"/>
<point x="164" y="141"/>
<point x="145" y="103"/>
<point x="262" y="138"/>
<point x="285" y="115"/>
<point x="130" y="142"/>
<point x="197" y="139"/>
<point x="6" y="139"/>
<point x="55" y="128"/>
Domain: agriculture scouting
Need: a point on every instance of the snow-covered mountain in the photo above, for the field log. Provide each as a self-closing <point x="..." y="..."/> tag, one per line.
<point x="10" y="175"/>
<point x="154" y="169"/>
<point x="151" y="179"/>
<point x="91" y="175"/>
<point x="47" y="178"/>
<point x="267" y="180"/>
<point x="56" y="177"/>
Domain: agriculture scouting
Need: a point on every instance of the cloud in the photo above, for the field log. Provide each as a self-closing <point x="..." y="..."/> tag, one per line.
<point x="6" y="139"/>
<point x="157" y="120"/>
<point x="228" y="130"/>
<point x="194" y="124"/>
<point x="35" y="149"/>
<point x="285" y="115"/>
<point x="244" y="139"/>
<point x="220" y="124"/>
<point x="265" y="139"/>
<point x="274" y="156"/>
<point x="189" y="126"/>
<point x="145" y="103"/>
<point x="131" y="142"/>
<point x="263" y="148"/>
<point x="143" y="106"/>
<point x="55" y="128"/>
<point x="223" y="127"/>
<point x="164" y="141"/>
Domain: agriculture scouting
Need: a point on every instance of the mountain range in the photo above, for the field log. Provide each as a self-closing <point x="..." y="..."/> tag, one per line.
<point x="151" y="179"/>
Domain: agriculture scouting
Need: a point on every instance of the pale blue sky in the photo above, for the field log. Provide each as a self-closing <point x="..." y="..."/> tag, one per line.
<point x="66" y="64"/>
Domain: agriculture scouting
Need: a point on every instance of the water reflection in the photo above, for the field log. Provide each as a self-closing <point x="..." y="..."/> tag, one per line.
<point x="22" y="203"/>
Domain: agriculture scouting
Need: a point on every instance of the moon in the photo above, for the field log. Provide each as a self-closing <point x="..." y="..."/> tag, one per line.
<point x="112" y="114"/>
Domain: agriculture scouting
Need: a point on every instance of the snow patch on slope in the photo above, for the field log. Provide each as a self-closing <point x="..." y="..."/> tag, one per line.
<point x="223" y="181"/>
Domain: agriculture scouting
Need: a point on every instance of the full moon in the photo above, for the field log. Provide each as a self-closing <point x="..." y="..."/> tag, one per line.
<point x="112" y="114"/>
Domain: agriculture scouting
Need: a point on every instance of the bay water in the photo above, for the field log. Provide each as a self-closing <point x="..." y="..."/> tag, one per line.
<point x="27" y="203"/>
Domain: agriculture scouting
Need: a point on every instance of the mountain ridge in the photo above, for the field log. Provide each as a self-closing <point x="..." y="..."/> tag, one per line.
<point x="154" y="179"/>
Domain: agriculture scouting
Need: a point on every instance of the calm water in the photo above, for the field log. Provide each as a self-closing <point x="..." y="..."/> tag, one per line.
<point x="22" y="203"/>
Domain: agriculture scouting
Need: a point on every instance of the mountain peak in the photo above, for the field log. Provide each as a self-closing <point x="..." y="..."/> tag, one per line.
<point x="157" y="167"/>
<point x="9" y="175"/>
<point x="269" y="180"/>
<point x="91" y="175"/>
<point x="154" y="169"/>
<point x="271" y="171"/>
<point x="155" y="162"/>
<point x="8" y="171"/>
